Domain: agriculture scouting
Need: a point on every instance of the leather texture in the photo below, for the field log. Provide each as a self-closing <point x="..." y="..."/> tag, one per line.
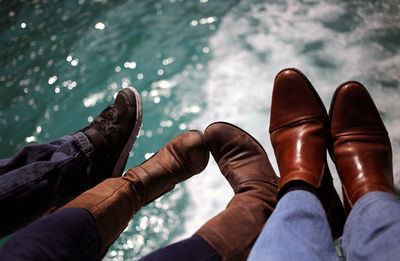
<point x="186" y="155"/>
<point x="298" y="129"/>
<point x="114" y="201"/>
<point x="361" y="147"/>
<point x="299" y="132"/>
<point x="246" y="166"/>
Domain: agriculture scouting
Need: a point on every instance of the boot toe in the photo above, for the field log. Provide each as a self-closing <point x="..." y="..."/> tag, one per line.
<point x="361" y="117"/>
<point x="294" y="99"/>
<point x="239" y="156"/>
<point x="219" y="137"/>
<point x="193" y="150"/>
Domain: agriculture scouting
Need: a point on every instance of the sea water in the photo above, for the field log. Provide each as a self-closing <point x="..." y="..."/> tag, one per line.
<point x="193" y="62"/>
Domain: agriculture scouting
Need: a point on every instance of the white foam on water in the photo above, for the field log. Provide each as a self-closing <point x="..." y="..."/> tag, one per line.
<point x="251" y="47"/>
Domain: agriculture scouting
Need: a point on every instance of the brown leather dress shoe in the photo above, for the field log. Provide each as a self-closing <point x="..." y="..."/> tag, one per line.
<point x="361" y="146"/>
<point x="245" y="165"/>
<point x="114" y="201"/>
<point x="299" y="131"/>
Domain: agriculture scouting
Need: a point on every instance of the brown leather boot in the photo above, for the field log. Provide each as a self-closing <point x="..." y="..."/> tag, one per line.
<point x="245" y="165"/>
<point x="361" y="146"/>
<point x="299" y="131"/>
<point x="114" y="201"/>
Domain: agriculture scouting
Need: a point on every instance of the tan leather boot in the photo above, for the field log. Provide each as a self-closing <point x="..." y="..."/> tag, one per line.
<point x="299" y="132"/>
<point x="245" y="165"/>
<point x="114" y="201"/>
<point x="361" y="146"/>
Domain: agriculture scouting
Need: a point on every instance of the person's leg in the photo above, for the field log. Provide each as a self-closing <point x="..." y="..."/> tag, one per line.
<point x="41" y="177"/>
<point x="245" y="165"/>
<point x="297" y="230"/>
<point x="309" y="212"/>
<point x="113" y="202"/>
<point x="231" y="234"/>
<point x="69" y="234"/>
<point x="363" y="156"/>
<point x="194" y="248"/>
<point x="372" y="229"/>
<point x="32" y="156"/>
<point x="299" y="133"/>
<point x="106" y="209"/>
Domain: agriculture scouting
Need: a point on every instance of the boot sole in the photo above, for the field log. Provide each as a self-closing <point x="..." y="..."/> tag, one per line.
<point x="121" y="162"/>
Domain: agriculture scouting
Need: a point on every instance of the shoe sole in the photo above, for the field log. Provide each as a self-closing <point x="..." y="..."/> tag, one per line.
<point x="121" y="162"/>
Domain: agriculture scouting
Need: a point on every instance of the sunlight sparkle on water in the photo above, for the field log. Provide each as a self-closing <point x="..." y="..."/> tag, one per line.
<point x="52" y="79"/>
<point x="100" y="26"/>
<point x="148" y="155"/>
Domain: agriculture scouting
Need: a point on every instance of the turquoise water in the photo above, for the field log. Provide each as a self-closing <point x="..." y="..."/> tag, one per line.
<point x="194" y="62"/>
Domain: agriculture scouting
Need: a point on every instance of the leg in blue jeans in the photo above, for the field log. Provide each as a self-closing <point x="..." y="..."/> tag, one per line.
<point x="372" y="230"/>
<point x="40" y="177"/>
<point x="297" y="230"/>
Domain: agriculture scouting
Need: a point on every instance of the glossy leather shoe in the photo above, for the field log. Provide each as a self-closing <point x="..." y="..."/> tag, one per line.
<point x="244" y="163"/>
<point x="361" y="146"/>
<point x="299" y="132"/>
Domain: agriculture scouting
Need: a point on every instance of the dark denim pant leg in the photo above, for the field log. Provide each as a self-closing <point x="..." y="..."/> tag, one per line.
<point x="194" y="248"/>
<point x="69" y="234"/>
<point x="41" y="177"/>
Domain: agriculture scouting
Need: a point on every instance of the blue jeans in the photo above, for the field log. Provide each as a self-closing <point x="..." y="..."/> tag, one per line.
<point x="41" y="177"/>
<point x="298" y="230"/>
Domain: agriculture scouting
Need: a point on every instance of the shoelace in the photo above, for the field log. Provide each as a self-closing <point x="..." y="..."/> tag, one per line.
<point x="108" y="118"/>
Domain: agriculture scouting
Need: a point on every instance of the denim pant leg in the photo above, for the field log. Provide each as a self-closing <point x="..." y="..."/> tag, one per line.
<point x="69" y="234"/>
<point x="372" y="230"/>
<point x="296" y="230"/>
<point x="41" y="177"/>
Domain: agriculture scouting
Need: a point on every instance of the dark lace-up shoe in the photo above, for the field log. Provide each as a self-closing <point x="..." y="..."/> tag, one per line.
<point x="113" y="133"/>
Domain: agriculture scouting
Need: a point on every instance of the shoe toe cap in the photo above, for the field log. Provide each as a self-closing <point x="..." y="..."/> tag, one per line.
<point x="192" y="150"/>
<point x="353" y="110"/>
<point x="294" y="99"/>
